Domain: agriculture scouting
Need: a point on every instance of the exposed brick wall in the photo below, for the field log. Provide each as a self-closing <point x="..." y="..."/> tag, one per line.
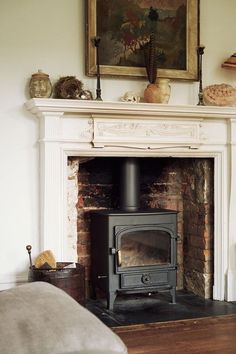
<point x="198" y="201"/>
<point x="97" y="189"/>
<point x="161" y="188"/>
<point x="185" y="185"/>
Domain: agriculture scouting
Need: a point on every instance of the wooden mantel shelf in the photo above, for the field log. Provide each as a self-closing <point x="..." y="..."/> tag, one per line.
<point x="139" y="110"/>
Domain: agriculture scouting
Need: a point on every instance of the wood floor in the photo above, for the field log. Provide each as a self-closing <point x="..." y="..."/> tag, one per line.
<point x="201" y="335"/>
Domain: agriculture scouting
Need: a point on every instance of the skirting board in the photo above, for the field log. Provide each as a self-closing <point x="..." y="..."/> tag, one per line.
<point x="10" y="280"/>
<point x="231" y="285"/>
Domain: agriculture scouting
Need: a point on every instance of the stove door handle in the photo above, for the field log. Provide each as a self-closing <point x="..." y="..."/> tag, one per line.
<point x="119" y="258"/>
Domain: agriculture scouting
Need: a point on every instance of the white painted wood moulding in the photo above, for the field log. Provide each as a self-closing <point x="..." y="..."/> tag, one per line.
<point x="93" y="128"/>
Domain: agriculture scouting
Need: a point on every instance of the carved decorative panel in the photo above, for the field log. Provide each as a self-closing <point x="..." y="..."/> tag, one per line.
<point x="148" y="132"/>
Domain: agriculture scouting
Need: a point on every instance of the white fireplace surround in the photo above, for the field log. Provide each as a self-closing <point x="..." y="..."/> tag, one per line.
<point x="93" y="128"/>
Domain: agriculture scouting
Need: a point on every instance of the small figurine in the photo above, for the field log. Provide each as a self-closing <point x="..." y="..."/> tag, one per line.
<point x="130" y="96"/>
<point x="86" y="95"/>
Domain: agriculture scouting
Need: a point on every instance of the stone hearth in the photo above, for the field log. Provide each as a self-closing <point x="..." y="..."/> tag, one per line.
<point x="90" y="129"/>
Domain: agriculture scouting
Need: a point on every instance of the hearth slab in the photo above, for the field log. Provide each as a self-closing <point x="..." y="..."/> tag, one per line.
<point x="140" y="308"/>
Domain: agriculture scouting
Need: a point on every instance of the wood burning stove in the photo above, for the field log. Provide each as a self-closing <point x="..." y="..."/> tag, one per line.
<point x="133" y="250"/>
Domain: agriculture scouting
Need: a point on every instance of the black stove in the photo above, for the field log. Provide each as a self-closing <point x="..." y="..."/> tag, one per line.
<point x="133" y="250"/>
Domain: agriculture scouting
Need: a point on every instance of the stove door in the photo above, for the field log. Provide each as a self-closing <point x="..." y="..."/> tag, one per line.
<point x="143" y="246"/>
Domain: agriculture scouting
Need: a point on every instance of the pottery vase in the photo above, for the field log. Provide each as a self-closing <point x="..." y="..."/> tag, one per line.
<point x="40" y="85"/>
<point x="159" y="92"/>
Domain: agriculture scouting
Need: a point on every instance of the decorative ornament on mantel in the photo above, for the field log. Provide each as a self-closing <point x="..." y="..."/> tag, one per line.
<point x="158" y="89"/>
<point x="40" y="85"/>
<point x="159" y="92"/>
<point x="130" y="96"/>
<point x="68" y="87"/>
<point x="221" y="94"/>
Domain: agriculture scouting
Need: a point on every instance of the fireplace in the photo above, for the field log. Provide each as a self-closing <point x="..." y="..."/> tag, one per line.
<point x="133" y="250"/>
<point x="116" y="129"/>
<point x="184" y="185"/>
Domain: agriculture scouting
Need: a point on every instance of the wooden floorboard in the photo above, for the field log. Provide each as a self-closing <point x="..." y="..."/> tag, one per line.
<point x="201" y="335"/>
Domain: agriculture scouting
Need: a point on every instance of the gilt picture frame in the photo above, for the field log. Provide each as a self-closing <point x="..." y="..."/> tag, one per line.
<point x="123" y="27"/>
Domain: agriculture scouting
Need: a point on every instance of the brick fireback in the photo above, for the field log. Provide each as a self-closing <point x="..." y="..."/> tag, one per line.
<point x="182" y="184"/>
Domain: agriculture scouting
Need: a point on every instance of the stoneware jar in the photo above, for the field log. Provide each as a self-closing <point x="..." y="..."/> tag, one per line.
<point x="40" y="85"/>
<point x="158" y="92"/>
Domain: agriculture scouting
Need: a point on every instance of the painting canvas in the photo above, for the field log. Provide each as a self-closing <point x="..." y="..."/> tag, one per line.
<point x="124" y="27"/>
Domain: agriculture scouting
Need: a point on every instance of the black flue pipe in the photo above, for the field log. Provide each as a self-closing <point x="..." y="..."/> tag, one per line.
<point x="129" y="184"/>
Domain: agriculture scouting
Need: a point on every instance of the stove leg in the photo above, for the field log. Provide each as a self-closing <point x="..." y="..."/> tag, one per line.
<point x="110" y="299"/>
<point x="173" y="294"/>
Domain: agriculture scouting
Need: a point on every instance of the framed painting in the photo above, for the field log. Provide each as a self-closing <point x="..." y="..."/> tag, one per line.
<point x="123" y="27"/>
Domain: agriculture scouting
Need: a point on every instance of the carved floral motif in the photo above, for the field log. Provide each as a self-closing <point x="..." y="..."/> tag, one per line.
<point x="106" y="129"/>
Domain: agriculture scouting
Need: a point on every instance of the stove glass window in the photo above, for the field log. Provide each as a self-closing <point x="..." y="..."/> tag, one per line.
<point x="144" y="248"/>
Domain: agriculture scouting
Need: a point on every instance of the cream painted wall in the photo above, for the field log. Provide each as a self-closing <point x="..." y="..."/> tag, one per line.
<point x="49" y="35"/>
